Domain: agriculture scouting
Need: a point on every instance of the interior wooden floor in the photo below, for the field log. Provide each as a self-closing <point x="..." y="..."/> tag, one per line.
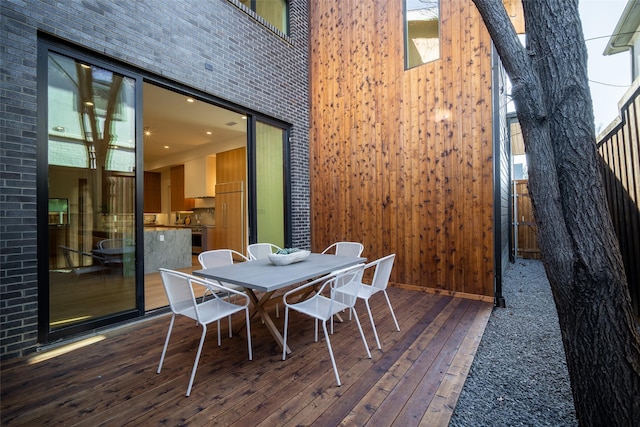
<point x="414" y="380"/>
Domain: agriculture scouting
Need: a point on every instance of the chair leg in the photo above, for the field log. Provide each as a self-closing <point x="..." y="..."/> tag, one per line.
<point x="391" y="310"/>
<point x="195" y="364"/>
<point x="316" y="329"/>
<point x="333" y="361"/>
<point x="246" y="312"/>
<point x="286" y="329"/>
<point x="364" y="340"/>
<point x="219" y="342"/>
<point x="373" y="325"/>
<point x="230" y="330"/>
<point x="166" y="342"/>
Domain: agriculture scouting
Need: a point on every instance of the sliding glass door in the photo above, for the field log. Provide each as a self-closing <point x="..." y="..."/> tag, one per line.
<point x="91" y="141"/>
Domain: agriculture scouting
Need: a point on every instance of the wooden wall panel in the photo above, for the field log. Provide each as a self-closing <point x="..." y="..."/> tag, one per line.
<point x="401" y="160"/>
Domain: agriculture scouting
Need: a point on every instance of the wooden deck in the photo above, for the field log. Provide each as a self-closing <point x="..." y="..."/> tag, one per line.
<point x="414" y="380"/>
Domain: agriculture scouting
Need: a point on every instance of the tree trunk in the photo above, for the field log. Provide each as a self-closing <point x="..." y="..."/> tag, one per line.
<point x="576" y="237"/>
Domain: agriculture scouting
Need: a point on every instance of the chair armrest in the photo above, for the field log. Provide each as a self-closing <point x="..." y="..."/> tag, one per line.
<point x="324" y="279"/>
<point x="216" y="286"/>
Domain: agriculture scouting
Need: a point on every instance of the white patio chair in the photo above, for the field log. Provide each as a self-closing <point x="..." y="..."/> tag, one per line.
<point x="342" y="289"/>
<point x="98" y="264"/>
<point x="220" y="258"/>
<point x="352" y="249"/>
<point x="379" y="283"/>
<point x="115" y="243"/>
<point x="261" y="250"/>
<point x="182" y="300"/>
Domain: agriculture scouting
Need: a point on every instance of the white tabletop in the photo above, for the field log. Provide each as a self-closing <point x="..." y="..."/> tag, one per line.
<point x="263" y="276"/>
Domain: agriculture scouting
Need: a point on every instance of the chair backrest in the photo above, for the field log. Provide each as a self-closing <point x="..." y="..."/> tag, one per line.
<point x="350" y="249"/>
<point x="179" y="293"/>
<point x="345" y="285"/>
<point x="114" y="243"/>
<point x="261" y="250"/>
<point x="219" y="258"/>
<point x="383" y="271"/>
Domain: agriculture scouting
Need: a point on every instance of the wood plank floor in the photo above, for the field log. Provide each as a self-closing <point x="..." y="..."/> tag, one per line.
<point x="414" y="380"/>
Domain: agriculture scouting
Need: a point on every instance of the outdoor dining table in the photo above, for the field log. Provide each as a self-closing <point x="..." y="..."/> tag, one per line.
<point x="263" y="276"/>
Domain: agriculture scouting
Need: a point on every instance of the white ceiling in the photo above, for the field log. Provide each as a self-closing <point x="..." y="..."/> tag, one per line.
<point x="183" y="126"/>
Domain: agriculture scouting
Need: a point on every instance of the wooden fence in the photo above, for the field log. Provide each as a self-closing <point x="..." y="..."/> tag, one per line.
<point x="619" y="150"/>
<point x="525" y="230"/>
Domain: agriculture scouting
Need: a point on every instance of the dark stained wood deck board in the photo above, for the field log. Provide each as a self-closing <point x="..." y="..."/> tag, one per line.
<point x="114" y="381"/>
<point x="430" y="369"/>
<point x="386" y="401"/>
<point x="440" y="409"/>
<point x="306" y="387"/>
<point x="308" y="404"/>
<point x="385" y="364"/>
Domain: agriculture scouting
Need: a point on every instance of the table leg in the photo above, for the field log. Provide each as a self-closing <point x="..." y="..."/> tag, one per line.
<point x="258" y="304"/>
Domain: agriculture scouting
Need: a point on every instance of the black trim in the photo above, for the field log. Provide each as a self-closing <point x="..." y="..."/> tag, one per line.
<point x="45" y="334"/>
<point x="251" y="178"/>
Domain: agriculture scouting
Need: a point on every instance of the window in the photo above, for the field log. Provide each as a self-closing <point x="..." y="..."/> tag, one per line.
<point x="270" y="188"/>
<point x="273" y="11"/>
<point x="422" y="39"/>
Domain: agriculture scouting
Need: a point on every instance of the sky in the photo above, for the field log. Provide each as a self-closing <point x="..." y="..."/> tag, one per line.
<point x="609" y="76"/>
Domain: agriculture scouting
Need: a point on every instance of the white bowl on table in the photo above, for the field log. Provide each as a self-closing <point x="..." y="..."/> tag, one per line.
<point x="286" y="259"/>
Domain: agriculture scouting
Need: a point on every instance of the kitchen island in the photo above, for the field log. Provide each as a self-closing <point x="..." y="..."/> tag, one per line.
<point x="166" y="247"/>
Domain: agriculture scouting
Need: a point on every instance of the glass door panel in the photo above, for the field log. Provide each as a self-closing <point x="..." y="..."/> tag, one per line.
<point x="91" y="187"/>
<point x="270" y="188"/>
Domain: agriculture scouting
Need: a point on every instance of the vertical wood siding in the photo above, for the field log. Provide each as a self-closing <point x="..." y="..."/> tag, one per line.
<point x="401" y="160"/>
<point x="619" y="151"/>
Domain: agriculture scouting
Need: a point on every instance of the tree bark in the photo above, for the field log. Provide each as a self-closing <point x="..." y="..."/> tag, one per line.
<point x="576" y="236"/>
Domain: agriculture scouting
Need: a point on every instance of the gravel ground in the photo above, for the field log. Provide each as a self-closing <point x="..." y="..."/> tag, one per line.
<point x="519" y="374"/>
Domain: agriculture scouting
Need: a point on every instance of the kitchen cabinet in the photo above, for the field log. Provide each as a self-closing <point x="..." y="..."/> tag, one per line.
<point x="229" y="231"/>
<point x="178" y="201"/>
<point x="200" y="177"/>
<point x="152" y="192"/>
<point x="231" y="166"/>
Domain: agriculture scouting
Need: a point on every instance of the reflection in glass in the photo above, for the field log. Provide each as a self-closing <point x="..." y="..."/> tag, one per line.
<point x="422" y="31"/>
<point x="273" y="11"/>
<point x="91" y="151"/>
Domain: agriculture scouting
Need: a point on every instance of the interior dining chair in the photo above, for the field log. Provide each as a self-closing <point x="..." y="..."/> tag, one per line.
<point x="219" y="258"/>
<point x="365" y="291"/>
<point x="182" y="300"/>
<point x="342" y="289"/>
<point x="351" y="249"/>
<point x="262" y="251"/>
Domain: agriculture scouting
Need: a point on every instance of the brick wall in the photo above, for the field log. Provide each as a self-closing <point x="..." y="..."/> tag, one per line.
<point x="216" y="46"/>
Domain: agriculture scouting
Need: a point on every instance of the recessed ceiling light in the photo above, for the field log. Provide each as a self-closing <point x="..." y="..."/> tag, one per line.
<point x="88" y="103"/>
<point x="147" y="131"/>
<point x="190" y="100"/>
<point x="209" y="132"/>
<point x="244" y="117"/>
<point x="166" y="146"/>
